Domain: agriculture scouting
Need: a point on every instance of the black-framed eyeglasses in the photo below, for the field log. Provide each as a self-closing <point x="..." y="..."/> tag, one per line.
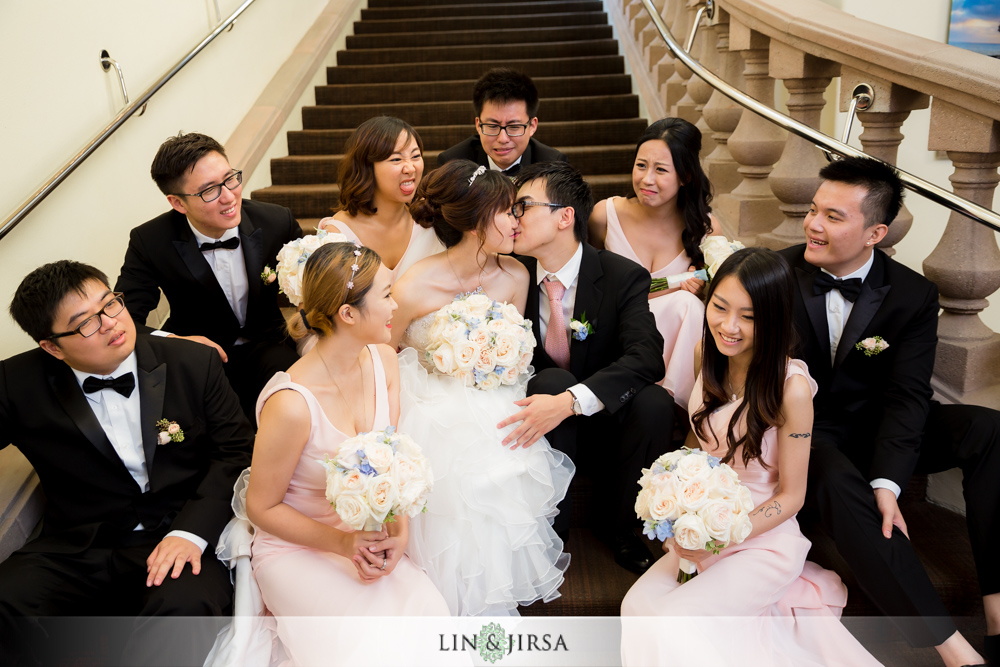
<point x="517" y="210"/>
<point x="213" y="192"/>
<point x="493" y="130"/>
<point x="92" y="324"/>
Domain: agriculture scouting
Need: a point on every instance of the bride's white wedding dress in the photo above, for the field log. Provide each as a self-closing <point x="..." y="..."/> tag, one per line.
<point x="486" y="539"/>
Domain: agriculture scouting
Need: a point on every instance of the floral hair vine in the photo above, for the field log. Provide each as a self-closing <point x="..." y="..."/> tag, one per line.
<point x="354" y="266"/>
<point x="476" y="174"/>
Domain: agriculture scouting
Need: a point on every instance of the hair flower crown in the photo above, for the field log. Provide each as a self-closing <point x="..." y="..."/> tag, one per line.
<point x="354" y="266"/>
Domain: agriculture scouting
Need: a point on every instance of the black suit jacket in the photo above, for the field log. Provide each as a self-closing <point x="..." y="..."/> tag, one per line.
<point x="878" y="404"/>
<point x="163" y="254"/>
<point x="625" y="352"/>
<point x="472" y="149"/>
<point x="89" y="492"/>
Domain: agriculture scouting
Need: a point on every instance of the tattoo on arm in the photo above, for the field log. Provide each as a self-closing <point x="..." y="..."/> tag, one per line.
<point x="774" y="509"/>
<point x="799" y="435"/>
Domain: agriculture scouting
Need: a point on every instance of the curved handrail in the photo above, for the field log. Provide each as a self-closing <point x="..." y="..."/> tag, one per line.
<point x="970" y="209"/>
<point x="34" y="200"/>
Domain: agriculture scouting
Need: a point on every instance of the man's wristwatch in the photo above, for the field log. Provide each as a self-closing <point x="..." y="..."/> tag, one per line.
<point x="577" y="408"/>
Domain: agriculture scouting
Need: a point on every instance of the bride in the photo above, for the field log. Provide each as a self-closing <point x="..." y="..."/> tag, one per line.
<point x="486" y="540"/>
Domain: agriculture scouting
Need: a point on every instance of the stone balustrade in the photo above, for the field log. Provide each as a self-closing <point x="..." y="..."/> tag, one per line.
<point x="764" y="177"/>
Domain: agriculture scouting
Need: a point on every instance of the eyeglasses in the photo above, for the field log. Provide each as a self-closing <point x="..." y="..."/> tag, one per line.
<point x="213" y="192"/>
<point x="517" y="210"/>
<point x="493" y="130"/>
<point x="92" y="324"/>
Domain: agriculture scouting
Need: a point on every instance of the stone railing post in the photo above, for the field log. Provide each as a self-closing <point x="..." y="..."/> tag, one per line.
<point x="701" y="92"/>
<point x="881" y="136"/>
<point x="721" y="114"/>
<point x="756" y="144"/>
<point x="966" y="262"/>
<point x="794" y="178"/>
<point x="686" y="106"/>
<point x="676" y="85"/>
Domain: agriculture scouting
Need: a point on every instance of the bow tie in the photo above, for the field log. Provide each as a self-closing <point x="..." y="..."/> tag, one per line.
<point x="849" y="289"/>
<point x="123" y="384"/>
<point x="512" y="171"/>
<point x="230" y="244"/>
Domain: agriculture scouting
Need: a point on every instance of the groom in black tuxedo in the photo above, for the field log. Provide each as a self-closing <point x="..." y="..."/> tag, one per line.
<point x="207" y="255"/>
<point x="131" y="515"/>
<point x="594" y="396"/>
<point x="875" y="423"/>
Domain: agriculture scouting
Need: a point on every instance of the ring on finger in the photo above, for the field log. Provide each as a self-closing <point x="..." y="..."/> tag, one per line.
<point x="384" y="561"/>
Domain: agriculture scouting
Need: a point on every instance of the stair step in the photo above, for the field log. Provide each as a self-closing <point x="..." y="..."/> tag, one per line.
<point x="430" y="25"/>
<point x="431" y="3"/>
<point x="302" y="169"/>
<point x="437" y="91"/>
<point x="440" y="137"/>
<point x="431" y="54"/>
<point x="501" y="11"/>
<point x="529" y="35"/>
<point x="473" y="70"/>
<point x="459" y="113"/>
<point x="610" y="185"/>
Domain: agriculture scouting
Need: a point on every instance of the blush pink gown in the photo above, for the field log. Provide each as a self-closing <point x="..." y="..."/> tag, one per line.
<point x="297" y="581"/>
<point x="756" y="603"/>
<point x="678" y="314"/>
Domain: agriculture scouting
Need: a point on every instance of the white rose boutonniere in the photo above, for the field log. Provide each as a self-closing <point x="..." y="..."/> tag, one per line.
<point x="871" y="346"/>
<point x="268" y="275"/>
<point x="581" y="328"/>
<point x="168" y="431"/>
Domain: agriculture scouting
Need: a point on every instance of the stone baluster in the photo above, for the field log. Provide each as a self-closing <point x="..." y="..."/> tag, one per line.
<point x="756" y="144"/>
<point x="721" y="114"/>
<point x="700" y="91"/>
<point x="794" y="178"/>
<point x="966" y="262"/>
<point x="676" y="85"/>
<point x="686" y="107"/>
<point x="653" y="48"/>
<point x="664" y="67"/>
<point x="881" y="136"/>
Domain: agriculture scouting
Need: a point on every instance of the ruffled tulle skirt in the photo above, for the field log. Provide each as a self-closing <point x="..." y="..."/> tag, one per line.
<point x="486" y="539"/>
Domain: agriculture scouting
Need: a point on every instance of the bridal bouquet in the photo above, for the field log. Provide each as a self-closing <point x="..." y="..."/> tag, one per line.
<point x="377" y="476"/>
<point x="716" y="250"/>
<point x="480" y="341"/>
<point x="292" y="260"/>
<point x="692" y="497"/>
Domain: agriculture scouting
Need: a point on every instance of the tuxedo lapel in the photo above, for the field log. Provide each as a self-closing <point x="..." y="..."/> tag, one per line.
<point x="152" y="388"/>
<point x="187" y="247"/>
<point x="252" y="242"/>
<point x="873" y="293"/>
<point x="588" y="301"/>
<point x="815" y="306"/>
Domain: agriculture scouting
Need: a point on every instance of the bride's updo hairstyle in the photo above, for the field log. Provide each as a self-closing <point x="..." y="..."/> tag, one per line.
<point x="373" y="141"/>
<point x="447" y="202"/>
<point x="325" y="290"/>
<point x="765" y="276"/>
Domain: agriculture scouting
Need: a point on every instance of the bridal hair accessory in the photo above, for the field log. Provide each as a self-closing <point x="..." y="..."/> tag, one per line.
<point x="476" y="174"/>
<point x="354" y="266"/>
<point x="302" y="314"/>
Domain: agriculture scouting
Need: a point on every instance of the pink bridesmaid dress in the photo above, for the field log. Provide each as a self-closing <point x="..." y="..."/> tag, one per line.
<point x="756" y="603"/>
<point x="423" y="243"/>
<point x="678" y="314"/>
<point x="297" y="581"/>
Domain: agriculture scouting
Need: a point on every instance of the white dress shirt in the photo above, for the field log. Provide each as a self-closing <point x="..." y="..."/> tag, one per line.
<point x="495" y="167"/>
<point x="838" y="311"/>
<point x="230" y="270"/>
<point x="569" y="276"/>
<point x="120" y="419"/>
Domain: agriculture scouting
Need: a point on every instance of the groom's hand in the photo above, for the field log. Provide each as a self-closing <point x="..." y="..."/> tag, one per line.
<point x="541" y="414"/>
<point x="172" y="552"/>
<point x="885" y="499"/>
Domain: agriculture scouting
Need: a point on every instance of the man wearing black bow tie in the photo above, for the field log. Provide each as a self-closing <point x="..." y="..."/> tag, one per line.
<point x="868" y="330"/>
<point x="207" y="255"/>
<point x="131" y="515"/>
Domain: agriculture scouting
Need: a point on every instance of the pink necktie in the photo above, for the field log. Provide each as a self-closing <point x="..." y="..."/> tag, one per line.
<point x="556" y="342"/>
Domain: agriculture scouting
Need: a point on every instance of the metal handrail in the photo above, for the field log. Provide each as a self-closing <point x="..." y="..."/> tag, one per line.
<point x="927" y="189"/>
<point x="34" y="200"/>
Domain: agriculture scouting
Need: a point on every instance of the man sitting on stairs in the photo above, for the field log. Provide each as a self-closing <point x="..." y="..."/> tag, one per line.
<point x="506" y="105"/>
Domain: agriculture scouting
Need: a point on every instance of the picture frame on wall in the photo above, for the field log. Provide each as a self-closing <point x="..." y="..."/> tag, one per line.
<point x="975" y="26"/>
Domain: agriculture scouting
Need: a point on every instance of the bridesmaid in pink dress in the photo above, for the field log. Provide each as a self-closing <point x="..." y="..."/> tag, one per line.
<point x="759" y="602"/>
<point x="306" y="561"/>
<point x="660" y="227"/>
<point x="378" y="176"/>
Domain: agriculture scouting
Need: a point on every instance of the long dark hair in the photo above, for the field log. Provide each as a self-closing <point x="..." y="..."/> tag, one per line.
<point x="694" y="197"/>
<point x="767" y="279"/>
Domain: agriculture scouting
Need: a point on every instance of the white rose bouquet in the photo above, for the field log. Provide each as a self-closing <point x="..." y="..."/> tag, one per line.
<point x="692" y="497"/>
<point x="292" y="260"/>
<point x="480" y="341"/>
<point x="377" y="476"/>
<point x="716" y="250"/>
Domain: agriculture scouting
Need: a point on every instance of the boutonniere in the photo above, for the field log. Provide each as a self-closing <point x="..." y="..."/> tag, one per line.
<point x="169" y="432"/>
<point x="871" y="346"/>
<point x="268" y="275"/>
<point x="581" y="328"/>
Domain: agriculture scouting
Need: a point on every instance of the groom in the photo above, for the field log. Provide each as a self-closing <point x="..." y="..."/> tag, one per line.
<point x="875" y="422"/>
<point x="595" y="394"/>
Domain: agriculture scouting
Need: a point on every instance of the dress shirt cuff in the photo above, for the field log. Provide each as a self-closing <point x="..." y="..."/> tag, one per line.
<point x="883" y="483"/>
<point x="589" y="403"/>
<point x="160" y="332"/>
<point x="191" y="537"/>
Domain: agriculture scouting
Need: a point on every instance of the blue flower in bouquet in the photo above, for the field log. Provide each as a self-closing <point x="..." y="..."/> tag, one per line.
<point x="713" y="461"/>
<point x="478" y="376"/>
<point x="658" y="530"/>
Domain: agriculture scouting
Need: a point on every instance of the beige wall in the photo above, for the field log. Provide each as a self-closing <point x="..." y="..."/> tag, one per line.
<point x="56" y="98"/>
